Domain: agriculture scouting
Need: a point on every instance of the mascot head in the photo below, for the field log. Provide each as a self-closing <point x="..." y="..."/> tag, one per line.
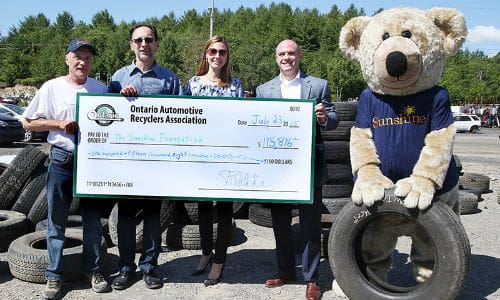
<point x="402" y="51"/>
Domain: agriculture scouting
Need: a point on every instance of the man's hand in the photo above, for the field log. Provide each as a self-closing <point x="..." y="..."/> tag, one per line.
<point x="320" y="113"/>
<point x="129" y="91"/>
<point x="69" y="127"/>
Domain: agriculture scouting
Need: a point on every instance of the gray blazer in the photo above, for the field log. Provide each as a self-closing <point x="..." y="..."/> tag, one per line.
<point x="311" y="88"/>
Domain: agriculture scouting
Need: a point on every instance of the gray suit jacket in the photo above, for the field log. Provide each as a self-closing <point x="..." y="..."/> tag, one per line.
<point x="311" y="88"/>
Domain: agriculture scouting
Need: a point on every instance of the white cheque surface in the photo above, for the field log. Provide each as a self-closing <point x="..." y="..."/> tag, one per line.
<point x="187" y="147"/>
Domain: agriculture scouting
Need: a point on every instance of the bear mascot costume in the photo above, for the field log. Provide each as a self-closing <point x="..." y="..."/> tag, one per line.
<point x="403" y="135"/>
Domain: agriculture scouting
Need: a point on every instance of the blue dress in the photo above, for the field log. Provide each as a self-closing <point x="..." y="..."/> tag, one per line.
<point x="195" y="87"/>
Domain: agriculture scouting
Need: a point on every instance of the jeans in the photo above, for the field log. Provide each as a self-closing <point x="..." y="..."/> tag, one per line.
<point x="126" y="227"/>
<point x="93" y="209"/>
<point x="59" y="197"/>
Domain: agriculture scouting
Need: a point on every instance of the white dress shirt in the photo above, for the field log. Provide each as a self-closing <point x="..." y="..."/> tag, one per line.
<point x="290" y="89"/>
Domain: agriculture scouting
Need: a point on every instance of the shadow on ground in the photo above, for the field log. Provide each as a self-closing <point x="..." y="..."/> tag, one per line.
<point x="483" y="279"/>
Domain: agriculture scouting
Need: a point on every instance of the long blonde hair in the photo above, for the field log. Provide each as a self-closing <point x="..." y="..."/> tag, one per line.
<point x="225" y="73"/>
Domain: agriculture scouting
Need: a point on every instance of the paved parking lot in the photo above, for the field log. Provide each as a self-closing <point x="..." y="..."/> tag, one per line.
<point x="251" y="259"/>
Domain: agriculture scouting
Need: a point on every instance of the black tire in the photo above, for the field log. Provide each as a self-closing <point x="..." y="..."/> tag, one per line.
<point x="476" y="192"/>
<point x="13" y="224"/>
<point x="341" y="133"/>
<point x="187" y="236"/>
<point x="458" y="163"/>
<point x="74" y="208"/>
<point x="192" y="212"/>
<point x="346" y="110"/>
<point x="443" y="227"/>
<point x="166" y="216"/>
<point x="28" y="258"/>
<point x="17" y="173"/>
<point x="338" y="190"/>
<point x="240" y="210"/>
<point x="260" y="215"/>
<point x="39" y="209"/>
<point x="3" y="166"/>
<point x="339" y="173"/>
<point x="475" y="181"/>
<point x="74" y="221"/>
<point x="31" y="190"/>
<point x="334" y="205"/>
<point x="337" y="152"/>
<point x="468" y="203"/>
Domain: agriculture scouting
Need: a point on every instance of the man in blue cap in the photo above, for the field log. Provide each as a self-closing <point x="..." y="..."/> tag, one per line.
<point x="54" y="109"/>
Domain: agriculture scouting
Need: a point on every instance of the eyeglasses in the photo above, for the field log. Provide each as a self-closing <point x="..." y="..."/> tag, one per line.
<point x="148" y="40"/>
<point x="213" y="52"/>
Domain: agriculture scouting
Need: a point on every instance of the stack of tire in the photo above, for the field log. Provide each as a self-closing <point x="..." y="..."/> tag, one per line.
<point x="337" y="190"/>
<point x="21" y="197"/>
<point x="23" y="209"/>
<point x="471" y="186"/>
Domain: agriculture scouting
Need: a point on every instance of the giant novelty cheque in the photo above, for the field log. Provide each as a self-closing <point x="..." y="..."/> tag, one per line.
<point x="195" y="148"/>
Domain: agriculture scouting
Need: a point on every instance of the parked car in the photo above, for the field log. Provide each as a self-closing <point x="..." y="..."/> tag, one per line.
<point x="17" y="112"/>
<point x="9" y="100"/>
<point x="11" y="130"/>
<point x="466" y="122"/>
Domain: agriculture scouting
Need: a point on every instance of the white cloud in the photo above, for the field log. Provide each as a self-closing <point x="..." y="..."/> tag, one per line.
<point x="481" y="34"/>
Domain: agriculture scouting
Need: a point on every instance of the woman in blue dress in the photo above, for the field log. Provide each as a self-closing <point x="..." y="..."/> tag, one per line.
<point x="214" y="79"/>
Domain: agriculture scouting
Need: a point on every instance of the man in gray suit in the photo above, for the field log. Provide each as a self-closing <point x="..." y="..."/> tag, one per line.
<point x="292" y="83"/>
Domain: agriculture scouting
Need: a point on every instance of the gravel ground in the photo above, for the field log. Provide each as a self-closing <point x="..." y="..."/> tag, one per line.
<point x="251" y="257"/>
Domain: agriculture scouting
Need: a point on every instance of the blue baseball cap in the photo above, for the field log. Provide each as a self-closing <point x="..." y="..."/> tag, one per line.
<point x="78" y="43"/>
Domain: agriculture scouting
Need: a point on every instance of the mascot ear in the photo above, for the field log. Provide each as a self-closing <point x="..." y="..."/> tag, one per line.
<point x="350" y="37"/>
<point x="452" y="24"/>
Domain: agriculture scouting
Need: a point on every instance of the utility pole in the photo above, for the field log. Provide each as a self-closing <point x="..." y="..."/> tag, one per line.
<point x="211" y="18"/>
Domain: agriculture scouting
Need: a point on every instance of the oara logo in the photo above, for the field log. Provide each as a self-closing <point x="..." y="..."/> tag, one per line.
<point x="104" y="115"/>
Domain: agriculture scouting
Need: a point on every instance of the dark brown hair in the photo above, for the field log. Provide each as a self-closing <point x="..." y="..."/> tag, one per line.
<point x="153" y="29"/>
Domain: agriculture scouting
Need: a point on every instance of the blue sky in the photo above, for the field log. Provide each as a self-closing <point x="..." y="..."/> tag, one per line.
<point x="482" y="17"/>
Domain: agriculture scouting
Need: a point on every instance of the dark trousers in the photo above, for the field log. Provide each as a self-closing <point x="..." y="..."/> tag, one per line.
<point x="224" y="225"/>
<point x="151" y="240"/>
<point x="310" y="224"/>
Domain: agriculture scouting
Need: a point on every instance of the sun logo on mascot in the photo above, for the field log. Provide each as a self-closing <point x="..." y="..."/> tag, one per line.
<point x="409" y="110"/>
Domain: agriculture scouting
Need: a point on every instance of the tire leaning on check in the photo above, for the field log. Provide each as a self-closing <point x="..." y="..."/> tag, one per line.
<point x="439" y="222"/>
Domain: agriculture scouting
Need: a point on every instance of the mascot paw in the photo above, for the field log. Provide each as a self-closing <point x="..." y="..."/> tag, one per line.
<point x="367" y="194"/>
<point x="370" y="186"/>
<point x="417" y="191"/>
<point x="356" y="195"/>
